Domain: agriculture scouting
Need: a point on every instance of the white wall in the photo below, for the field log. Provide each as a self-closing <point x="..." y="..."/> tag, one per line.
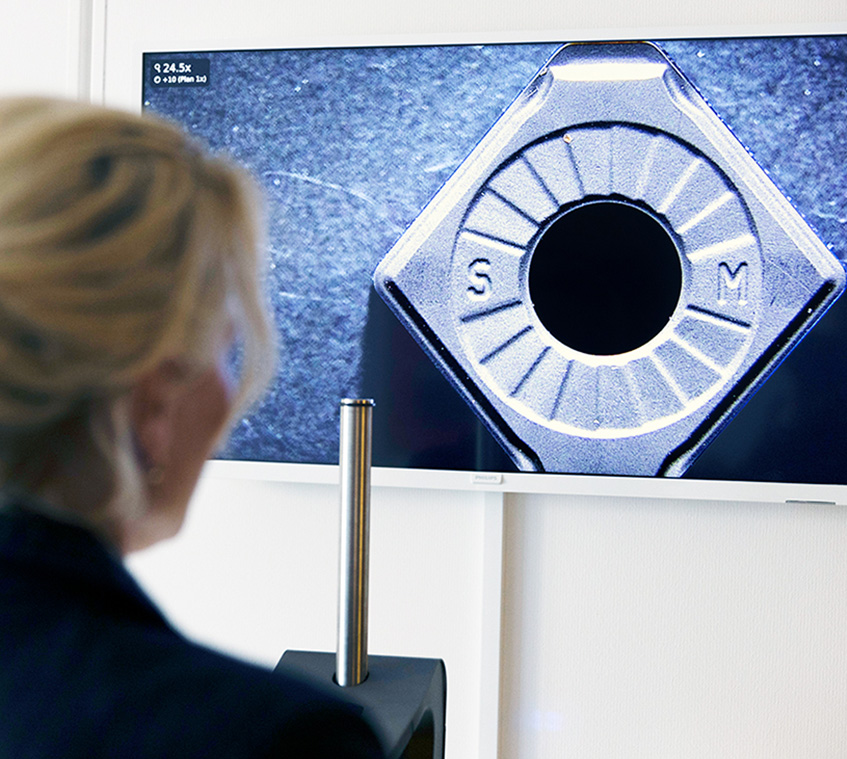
<point x="629" y="627"/>
<point x="674" y="629"/>
<point x="39" y="53"/>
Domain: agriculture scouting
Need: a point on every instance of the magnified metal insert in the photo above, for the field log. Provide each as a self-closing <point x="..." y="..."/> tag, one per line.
<point x="601" y="314"/>
<point x="620" y="273"/>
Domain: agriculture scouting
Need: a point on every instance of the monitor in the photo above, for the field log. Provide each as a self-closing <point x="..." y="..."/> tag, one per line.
<point x="351" y="145"/>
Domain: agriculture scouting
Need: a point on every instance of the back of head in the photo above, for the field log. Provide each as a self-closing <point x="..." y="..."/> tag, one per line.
<point x="122" y="243"/>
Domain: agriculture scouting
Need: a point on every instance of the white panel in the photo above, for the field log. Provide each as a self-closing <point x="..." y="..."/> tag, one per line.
<point x="39" y="50"/>
<point x="637" y="629"/>
<point x="254" y="573"/>
<point x="133" y="27"/>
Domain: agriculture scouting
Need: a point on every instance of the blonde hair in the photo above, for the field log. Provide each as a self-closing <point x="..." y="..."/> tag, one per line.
<point x="122" y="244"/>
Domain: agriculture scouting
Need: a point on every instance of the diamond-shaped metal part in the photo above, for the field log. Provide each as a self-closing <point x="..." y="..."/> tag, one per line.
<point x="613" y="134"/>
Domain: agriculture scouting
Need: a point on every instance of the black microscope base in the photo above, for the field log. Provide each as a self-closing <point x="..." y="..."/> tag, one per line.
<point x="404" y="698"/>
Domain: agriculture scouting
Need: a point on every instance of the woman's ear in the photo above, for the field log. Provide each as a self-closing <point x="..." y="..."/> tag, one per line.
<point x="153" y="399"/>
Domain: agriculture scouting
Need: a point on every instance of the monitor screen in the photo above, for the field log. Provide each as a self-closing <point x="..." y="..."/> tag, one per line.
<point x="351" y="144"/>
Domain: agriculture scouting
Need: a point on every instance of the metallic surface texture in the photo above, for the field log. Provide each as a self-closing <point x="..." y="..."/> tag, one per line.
<point x="351" y="664"/>
<point x="608" y="126"/>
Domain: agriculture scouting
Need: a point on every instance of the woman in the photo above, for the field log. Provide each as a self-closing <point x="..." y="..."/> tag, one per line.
<point x="129" y="269"/>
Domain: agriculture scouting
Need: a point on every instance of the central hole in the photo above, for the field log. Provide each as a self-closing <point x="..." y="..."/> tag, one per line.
<point x="605" y="277"/>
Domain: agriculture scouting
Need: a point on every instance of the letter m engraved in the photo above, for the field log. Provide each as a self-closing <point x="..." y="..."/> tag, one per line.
<point x="732" y="285"/>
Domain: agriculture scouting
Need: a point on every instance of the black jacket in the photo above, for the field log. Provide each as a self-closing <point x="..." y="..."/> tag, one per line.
<point x="90" y="668"/>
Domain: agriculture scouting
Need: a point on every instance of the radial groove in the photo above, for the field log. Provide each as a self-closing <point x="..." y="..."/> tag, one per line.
<point x="511" y="341"/>
<point x="529" y="371"/>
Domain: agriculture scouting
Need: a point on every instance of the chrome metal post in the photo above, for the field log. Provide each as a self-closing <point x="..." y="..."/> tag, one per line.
<point x="404" y="699"/>
<point x="351" y="660"/>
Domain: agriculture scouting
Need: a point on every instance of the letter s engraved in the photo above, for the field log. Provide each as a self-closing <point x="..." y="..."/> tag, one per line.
<point x="479" y="277"/>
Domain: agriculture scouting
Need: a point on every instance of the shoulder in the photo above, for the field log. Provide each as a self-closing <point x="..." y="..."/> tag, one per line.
<point x="130" y="692"/>
<point x="90" y="668"/>
<point x="210" y="705"/>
